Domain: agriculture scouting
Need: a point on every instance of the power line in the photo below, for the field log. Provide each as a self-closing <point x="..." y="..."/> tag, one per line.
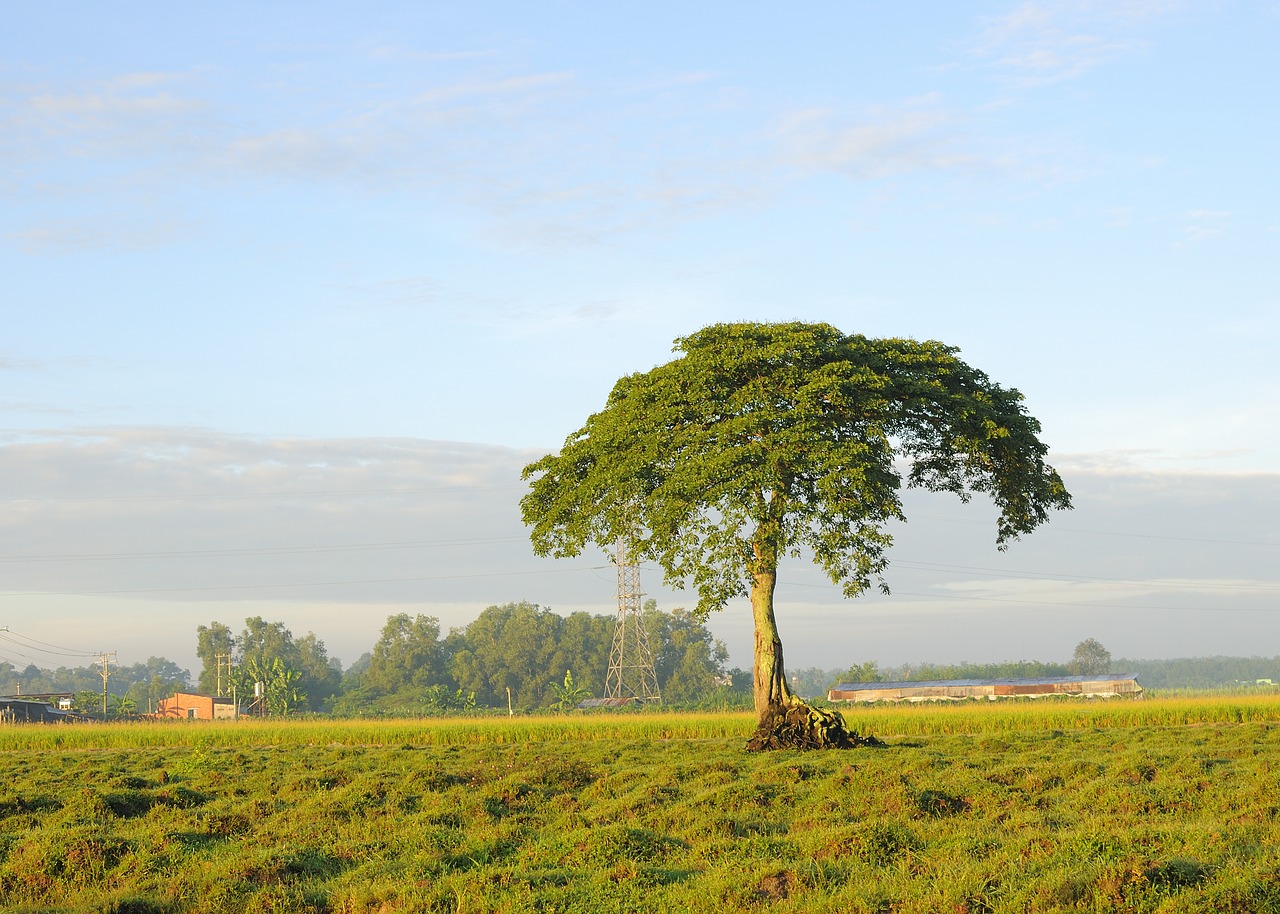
<point x="141" y="590"/>
<point x="262" y="496"/>
<point x="312" y="549"/>
<point x="929" y="567"/>
<point x="1125" y="606"/>
<point x="19" y="668"/>
<point x="265" y="550"/>
<point x="16" y="639"/>
<point x="26" y="657"/>
<point x="1129" y="607"/>
<point x="1058" y="528"/>
<point x="939" y="568"/>
<point x="9" y="631"/>
<point x="20" y="641"/>
<point x="922" y="566"/>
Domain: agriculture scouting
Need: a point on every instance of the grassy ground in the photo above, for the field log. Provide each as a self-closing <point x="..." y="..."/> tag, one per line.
<point x="967" y="809"/>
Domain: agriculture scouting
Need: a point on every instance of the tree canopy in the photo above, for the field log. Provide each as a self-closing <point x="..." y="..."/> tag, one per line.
<point x="523" y="647"/>
<point x="1090" y="658"/>
<point x="304" y="661"/>
<point x="762" y="441"/>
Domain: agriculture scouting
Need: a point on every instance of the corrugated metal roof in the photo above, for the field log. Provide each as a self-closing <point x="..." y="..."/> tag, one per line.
<point x="35" y="710"/>
<point x="605" y="702"/>
<point x="972" y="683"/>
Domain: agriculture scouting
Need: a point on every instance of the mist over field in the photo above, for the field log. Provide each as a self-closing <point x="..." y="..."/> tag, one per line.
<point x="131" y="538"/>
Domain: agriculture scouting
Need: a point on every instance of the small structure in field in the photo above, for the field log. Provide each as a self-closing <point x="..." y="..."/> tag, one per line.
<point x="1106" y="685"/>
<point x="191" y="706"/>
<point x="608" y="702"/>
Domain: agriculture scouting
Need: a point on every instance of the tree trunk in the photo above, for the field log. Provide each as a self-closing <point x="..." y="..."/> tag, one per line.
<point x="783" y="720"/>
<point x="769" y="675"/>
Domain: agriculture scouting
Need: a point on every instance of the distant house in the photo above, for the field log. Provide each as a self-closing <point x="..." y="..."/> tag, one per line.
<point x="32" y="710"/>
<point x="1108" y="685"/>
<point x="190" y="706"/>
<point x="60" y="700"/>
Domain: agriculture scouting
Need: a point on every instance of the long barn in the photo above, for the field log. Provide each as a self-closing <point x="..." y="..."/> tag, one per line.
<point x="27" y="710"/>
<point x="1108" y="685"/>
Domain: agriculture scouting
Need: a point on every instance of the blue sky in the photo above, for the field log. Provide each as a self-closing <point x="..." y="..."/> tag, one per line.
<point x="254" y="251"/>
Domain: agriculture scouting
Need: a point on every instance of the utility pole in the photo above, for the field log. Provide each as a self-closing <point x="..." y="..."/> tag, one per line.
<point x="5" y="628"/>
<point x="218" y="658"/>
<point x="105" y="674"/>
<point x="631" y="673"/>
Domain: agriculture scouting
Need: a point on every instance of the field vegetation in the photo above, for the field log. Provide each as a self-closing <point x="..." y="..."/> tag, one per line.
<point x="1155" y="805"/>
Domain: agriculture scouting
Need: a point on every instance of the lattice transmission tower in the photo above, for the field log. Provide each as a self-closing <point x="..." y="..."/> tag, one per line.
<point x="631" y="674"/>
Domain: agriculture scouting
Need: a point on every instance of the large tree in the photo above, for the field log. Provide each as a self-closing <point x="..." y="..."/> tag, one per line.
<point x="767" y="440"/>
<point x="1090" y="658"/>
<point x="258" y="646"/>
<point x="514" y="646"/>
<point x="687" y="658"/>
<point x="408" y="655"/>
<point x="214" y="645"/>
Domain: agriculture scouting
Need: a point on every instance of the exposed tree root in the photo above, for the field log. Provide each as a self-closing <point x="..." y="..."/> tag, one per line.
<point x="799" y="726"/>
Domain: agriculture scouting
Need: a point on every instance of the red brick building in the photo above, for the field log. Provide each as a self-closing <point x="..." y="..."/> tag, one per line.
<point x="189" y="706"/>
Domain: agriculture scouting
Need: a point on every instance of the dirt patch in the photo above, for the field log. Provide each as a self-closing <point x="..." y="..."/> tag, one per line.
<point x="776" y="886"/>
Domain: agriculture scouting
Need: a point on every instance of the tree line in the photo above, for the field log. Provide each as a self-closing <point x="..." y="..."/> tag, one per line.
<point x="518" y="655"/>
<point x="544" y="658"/>
<point x="1089" y="658"/>
<point x="133" y="689"/>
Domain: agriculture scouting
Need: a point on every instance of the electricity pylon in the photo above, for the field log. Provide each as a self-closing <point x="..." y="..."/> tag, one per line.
<point x="631" y="673"/>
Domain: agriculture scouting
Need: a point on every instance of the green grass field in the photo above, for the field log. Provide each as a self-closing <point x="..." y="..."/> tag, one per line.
<point x="1155" y="805"/>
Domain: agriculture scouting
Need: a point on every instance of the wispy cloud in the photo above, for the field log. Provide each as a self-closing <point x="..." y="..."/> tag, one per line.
<point x="1043" y="41"/>
<point x="913" y="138"/>
<point x="406" y="292"/>
<point x="523" y="85"/>
<point x="1201" y="224"/>
<point x="300" y="153"/>
<point x="13" y="363"/>
<point x="531" y="150"/>
<point x="27" y="407"/>
<point x="127" y="115"/>
<point x="402" y="52"/>
<point x="98" y="234"/>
